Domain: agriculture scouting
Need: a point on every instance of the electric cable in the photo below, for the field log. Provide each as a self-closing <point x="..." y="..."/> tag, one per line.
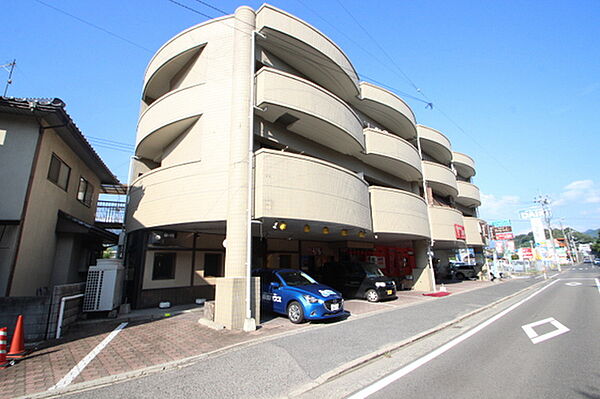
<point x="94" y="26"/>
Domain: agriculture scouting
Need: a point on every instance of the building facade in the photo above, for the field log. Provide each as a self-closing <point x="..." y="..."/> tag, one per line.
<point x="49" y="186"/>
<point x="258" y="146"/>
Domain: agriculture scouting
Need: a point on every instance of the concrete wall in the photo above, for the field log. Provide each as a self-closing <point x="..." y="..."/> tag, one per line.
<point x="35" y="316"/>
<point x="16" y="157"/>
<point x="35" y="259"/>
<point x="72" y="307"/>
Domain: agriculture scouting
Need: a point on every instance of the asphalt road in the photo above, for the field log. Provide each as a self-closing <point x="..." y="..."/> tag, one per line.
<point x="504" y="360"/>
<point x="289" y="364"/>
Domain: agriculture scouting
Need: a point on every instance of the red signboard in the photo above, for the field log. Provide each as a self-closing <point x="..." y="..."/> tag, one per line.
<point x="460" y="232"/>
<point x="504" y="236"/>
<point x="526" y="253"/>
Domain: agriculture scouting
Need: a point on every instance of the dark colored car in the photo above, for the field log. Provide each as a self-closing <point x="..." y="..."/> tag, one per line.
<point x="462" y="271"/>
<point x="359" y="280"/>
<point x="297" y="295"/>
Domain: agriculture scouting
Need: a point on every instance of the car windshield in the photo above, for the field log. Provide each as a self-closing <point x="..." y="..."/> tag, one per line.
<point x="296" y="279"/>
<point x="372" y="270"/>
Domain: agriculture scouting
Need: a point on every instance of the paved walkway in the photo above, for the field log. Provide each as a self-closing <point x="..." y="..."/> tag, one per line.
<point x="146" y="343"/>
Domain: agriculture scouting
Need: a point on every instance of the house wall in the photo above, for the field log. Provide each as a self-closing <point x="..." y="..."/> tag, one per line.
<point x="35" y="260"/>
<point x="16" y="157"/>
<point x="8" y="243"/>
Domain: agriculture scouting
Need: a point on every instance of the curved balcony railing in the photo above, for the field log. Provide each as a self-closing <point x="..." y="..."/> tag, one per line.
<point x="473" y="232"/>
<point x="176" y="53"/>
<point x="167" y="118"/>
<point x="297" y="187"/>
<point x="440" y="178"/>
<point x="392" y="154"/>
<point x="179" y="194"/>
<point x="464" y="164"/>
<point x="468" y="194"/>
<point x="387" y="109"/>
<point x="435" y="144"/>
<point x="399" y="213"/>
<point x="308" y="110"/>
<point x="307" y="50"/>
<point x="445" y="224"/>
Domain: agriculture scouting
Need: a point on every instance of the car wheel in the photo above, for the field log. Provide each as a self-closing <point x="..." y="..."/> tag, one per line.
<point x="295" y="312"/>
<point x="460" y="276"/>
<point x="372" y="295"/>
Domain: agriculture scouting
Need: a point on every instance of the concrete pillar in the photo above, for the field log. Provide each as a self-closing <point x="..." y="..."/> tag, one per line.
<point x="230" y="291"/>
<point x="422" y="273"/>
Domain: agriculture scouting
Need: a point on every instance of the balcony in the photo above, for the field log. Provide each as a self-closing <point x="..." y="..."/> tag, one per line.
<point x="464" y="164"/>
<point x="468" y="194"/>
<point x="444" y="222"/>
<point x="398" y="214"/>
<point x="387" y="109"/>
<point x="308" y="110"/>
<point x="188" y="193"/>
<point x="307" y="50"/>
<point x="392" y="154"/>
<point x="435" y="144"/>
<point x="440" y="178"/>
<point x="174" y="55"/>
<point x="110" y="214"/>
<point x="303" y="189"/>
<point x="473" y="232"/>
<point x="167" y="118"/>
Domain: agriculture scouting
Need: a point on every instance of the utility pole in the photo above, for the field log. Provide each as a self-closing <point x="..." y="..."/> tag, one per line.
<point x="10" y="72"/>
<point x="567" y="241"/>
<point x="544" y="202"/>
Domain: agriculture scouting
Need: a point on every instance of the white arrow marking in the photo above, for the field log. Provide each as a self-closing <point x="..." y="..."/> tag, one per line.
<point x="535" y="338"/>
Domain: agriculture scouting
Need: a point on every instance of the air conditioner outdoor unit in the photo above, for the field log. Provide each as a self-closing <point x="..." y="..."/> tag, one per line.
<point x="104" y="286"/>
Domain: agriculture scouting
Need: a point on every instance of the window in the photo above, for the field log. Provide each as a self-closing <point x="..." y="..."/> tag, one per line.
<point x="213" y="265"/>
<point x="285" y="261"/>
<point x="85" y="191"/>
<point x="59" y="172"/>
<point x="164" y="266"/>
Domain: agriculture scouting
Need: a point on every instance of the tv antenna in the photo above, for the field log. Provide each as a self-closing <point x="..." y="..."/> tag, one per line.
<point x="6" y="67"/>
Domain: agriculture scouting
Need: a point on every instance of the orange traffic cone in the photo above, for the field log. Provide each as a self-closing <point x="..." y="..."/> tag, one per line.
<point x="17" y="344"/>
<point x="3" y="362"/>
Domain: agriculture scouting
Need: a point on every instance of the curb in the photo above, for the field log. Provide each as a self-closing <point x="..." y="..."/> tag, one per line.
<point x="181" y="363"/>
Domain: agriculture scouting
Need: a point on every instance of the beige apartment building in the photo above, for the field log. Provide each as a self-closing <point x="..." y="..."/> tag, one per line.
<point x="49" y="187"/>
<point x="258" y="146"/>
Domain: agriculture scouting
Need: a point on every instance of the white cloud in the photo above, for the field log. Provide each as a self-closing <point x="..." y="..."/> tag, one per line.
<point x="504" y="207"/>
<point x="579" y="191"/>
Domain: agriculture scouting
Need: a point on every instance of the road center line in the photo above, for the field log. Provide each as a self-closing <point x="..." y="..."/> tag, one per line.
<point x="371" y="389"/>
<point x="71" y="375"/>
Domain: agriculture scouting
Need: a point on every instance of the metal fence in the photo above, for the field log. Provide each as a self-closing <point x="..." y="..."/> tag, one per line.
<point x="110" y="212"/>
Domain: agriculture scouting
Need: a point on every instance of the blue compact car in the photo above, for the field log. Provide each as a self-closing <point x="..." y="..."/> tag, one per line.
<point x="297" y="295"/>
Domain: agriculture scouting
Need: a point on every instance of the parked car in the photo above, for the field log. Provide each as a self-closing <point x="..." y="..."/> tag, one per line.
<point x="295" y="294"/>
<point x="359" y="280"/>
<point x="587" y="259"/>
<point x="462" y="271"/>
<point x="597" y="261"/>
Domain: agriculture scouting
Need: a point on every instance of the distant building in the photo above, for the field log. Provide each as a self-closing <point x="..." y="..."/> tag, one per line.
<point x="49" y="184"/>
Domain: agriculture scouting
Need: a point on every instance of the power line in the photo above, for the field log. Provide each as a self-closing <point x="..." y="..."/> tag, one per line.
<point x="95" y="26"/>
<point x="110" y="142"/>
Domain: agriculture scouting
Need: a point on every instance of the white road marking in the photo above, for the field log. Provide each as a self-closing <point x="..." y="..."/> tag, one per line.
<point x="75" y="371"/>
<point x="535" y="338"/>
<point x="598" y="284"/>
<point x="573" y="284"/>
<point x="379" y="385"/>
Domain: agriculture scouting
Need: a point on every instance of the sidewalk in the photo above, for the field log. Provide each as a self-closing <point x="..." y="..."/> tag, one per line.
<point x="148" y="342"/>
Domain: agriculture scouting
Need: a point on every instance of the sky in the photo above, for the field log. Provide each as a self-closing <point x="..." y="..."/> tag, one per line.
<point x="514" y="84"/>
